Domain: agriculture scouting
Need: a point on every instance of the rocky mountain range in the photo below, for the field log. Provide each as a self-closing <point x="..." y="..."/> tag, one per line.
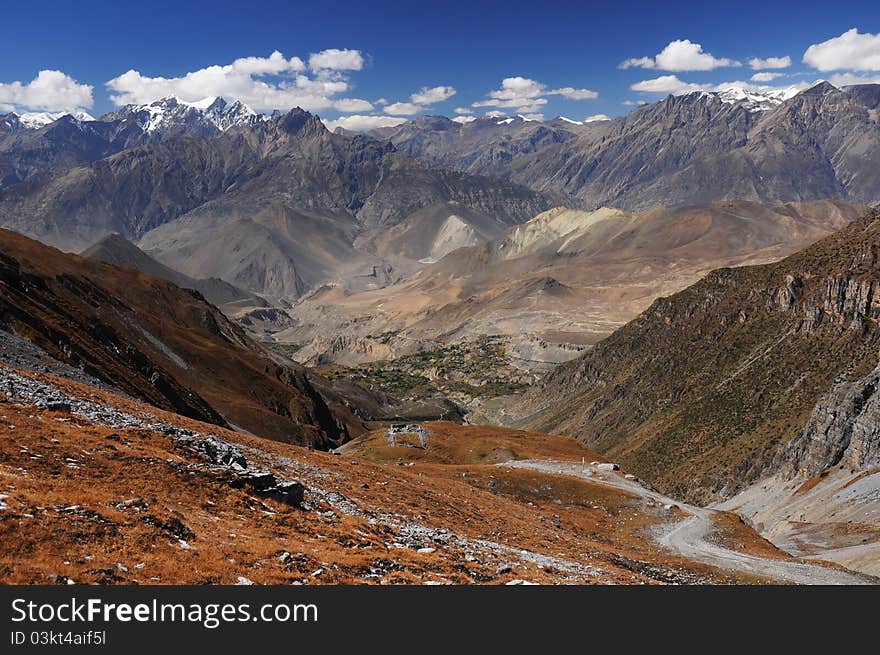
<point x="702" y="147"/>
<point x="274" y="206"/>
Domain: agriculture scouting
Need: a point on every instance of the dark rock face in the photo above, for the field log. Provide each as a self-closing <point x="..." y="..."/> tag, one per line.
<point x="844" y="428"/>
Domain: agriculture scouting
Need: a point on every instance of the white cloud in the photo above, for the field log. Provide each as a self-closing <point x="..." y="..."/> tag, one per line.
<point x="264" y="83"/>
<point x="433" y="95"/>
<point x="464" y="119"/>
<point x="679" y="56"/>
<point x="348" y="105"/>
<point x="638" y="62"/>
<point x="635" y="103"/>
<point x="574" y="94"/>
<point x="849" y="79"/>
<point x="758" y="64"/>
<point x="527" y="96"/>
<point x="338" y="60"/>
<point x="597" y="117"/>
<point x="765" y="77"/>
<point x="421" y="100"/>
<point x="668" y="84"/>
<point x="403" y="108"/>
<point x="532" y="117"/>
<point x="494" y="113"/>
<point x="50" y="90"/>
<point x="851" y="50"/>
<point x="463" y="110"/>
<point x="274" y="64"/>
<point x="358" y="123"/>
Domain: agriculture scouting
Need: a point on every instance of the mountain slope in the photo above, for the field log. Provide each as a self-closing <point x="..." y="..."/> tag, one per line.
<point x="703" y="391"/>
<point x="117" y="250"/>
<point x="162" y="344"/>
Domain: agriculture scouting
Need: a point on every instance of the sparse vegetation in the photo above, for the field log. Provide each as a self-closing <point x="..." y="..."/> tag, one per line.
<point x="465" y="371"/>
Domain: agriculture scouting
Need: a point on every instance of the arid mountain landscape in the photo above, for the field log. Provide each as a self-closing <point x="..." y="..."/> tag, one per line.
<point x="244" y="347"/>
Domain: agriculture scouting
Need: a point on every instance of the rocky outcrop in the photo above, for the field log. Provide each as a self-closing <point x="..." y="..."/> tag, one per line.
<point x="844" y="428"/>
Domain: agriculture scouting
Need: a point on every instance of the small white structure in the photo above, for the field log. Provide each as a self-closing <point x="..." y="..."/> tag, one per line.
<point x="608" y="466"/>
<point x="399" y="429"/>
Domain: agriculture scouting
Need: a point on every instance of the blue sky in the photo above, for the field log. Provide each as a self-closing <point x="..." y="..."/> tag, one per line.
<point x="558" y="57"/>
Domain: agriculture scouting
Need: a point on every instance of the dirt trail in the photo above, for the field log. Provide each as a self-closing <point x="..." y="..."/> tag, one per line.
<point x="690" y="537"/>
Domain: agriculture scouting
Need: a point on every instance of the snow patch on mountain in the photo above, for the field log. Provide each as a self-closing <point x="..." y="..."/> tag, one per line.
<point x="756" y="98"/>
<point x="169" y="112"/>
<point x="36" y="119"/>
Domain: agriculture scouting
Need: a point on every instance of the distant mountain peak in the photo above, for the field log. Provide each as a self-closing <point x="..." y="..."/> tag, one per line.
<point x="823" y="88"/>
<point x="172" y="112"/>
<point x="34" y="120"/>
<point x="756" y="99"/>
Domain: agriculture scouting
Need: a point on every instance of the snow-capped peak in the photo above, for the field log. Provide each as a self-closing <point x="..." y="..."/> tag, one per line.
<point x="34" y="120"/>
<point x="217" y="112"/>
<point x="204" y="103"/>
<point x="755" y="98"/>
<point x="569" y="120"/>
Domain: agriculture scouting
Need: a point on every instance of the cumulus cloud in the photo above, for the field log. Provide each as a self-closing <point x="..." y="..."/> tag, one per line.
<point x="50" y="90"/>
<point x="635" y="103"/>
<point x="359" y="123"/>
<point x="464" y="119"/>
<point x="849" y="79"/>
<point x="420" y="100"/>
<point x="463" y="110"/>
<point x="264" y="83"/>
<point x="527" y="96"/>
<point x="337" y="60"/>
<point x="851" y="50"/>
<point x="758" y="64"/>
<point x="433" y="95"/>
<point x="597" y="117"/>
<point x="350" y="105"/>
<point x="668" y="84"/>
<point x="494" y="113"/>
<point x="574" y="94"/>
<point x="765" y="77"/>
<point x="403" y="108"/>
<point x="679" y="56"/>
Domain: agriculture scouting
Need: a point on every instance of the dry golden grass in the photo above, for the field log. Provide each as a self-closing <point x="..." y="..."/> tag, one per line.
<point x="230" y="533"/>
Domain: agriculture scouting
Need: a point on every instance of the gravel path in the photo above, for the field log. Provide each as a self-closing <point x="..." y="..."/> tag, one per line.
<point x="690" y="537"/>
